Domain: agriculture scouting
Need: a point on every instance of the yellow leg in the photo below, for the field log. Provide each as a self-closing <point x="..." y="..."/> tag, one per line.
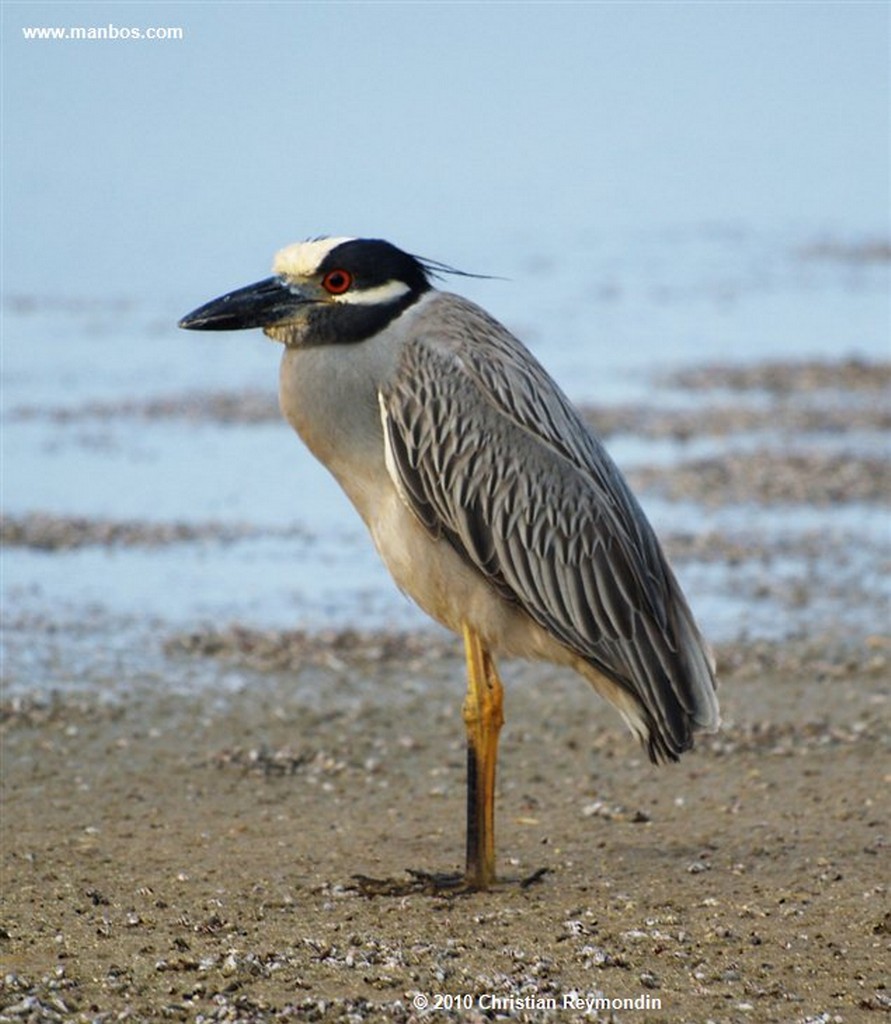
<point x="483" y="718"/>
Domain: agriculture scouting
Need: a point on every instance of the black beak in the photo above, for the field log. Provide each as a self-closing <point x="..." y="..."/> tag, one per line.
<point x="258" y="305"/>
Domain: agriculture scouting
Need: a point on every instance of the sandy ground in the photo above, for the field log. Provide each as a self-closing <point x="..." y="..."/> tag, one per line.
<point x="182" y="858"/>
<point x="193" y="856"/>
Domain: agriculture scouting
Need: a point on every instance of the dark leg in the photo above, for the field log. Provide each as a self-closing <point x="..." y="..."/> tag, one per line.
<point x="483" y="718"/>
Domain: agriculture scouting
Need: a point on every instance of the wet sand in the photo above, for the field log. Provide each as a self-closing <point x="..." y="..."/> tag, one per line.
<point x="193" y="855"/>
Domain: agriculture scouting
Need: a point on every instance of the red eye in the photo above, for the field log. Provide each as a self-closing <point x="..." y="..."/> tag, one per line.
<point x="336" y="282"/>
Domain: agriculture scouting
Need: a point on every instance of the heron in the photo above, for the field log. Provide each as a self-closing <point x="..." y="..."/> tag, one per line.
<point x="491" y="502"/>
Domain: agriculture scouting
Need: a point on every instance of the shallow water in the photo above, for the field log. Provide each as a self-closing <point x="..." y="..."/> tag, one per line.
<point x="615" y="322"/>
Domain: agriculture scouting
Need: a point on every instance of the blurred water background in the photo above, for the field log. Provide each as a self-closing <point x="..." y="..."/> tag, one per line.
<point x="656" y="186"/>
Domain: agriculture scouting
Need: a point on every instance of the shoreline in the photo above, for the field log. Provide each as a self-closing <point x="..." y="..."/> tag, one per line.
<point x="186" y="802"/>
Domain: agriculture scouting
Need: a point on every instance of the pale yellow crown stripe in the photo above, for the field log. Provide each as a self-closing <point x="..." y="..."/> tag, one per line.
<point x="302" y="259"/>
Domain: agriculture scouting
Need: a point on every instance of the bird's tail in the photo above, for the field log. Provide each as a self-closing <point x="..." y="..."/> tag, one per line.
<point x="687" y="700"/>
<point x="661" y="679"/>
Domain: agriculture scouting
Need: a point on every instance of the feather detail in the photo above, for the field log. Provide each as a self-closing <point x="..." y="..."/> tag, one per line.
<point x="489" y="454"/>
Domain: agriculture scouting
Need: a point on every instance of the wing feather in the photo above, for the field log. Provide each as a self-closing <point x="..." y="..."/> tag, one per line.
<point x="491" y="455"/>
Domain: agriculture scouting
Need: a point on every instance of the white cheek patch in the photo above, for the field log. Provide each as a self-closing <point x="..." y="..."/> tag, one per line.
<point x="383" y="293"/>
<point x="302" y="259"/>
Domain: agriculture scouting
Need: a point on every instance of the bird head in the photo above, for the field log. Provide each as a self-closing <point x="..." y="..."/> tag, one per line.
<point x="328" y="290"/>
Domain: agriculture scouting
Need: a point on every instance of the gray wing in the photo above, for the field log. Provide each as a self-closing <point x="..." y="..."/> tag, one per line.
<point x="492" y="456"/>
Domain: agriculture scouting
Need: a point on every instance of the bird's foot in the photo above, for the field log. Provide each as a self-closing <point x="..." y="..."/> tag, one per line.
<point x="419" y="883"/>
<point x="533" y="879"/>
<point x="429" y="883"/>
